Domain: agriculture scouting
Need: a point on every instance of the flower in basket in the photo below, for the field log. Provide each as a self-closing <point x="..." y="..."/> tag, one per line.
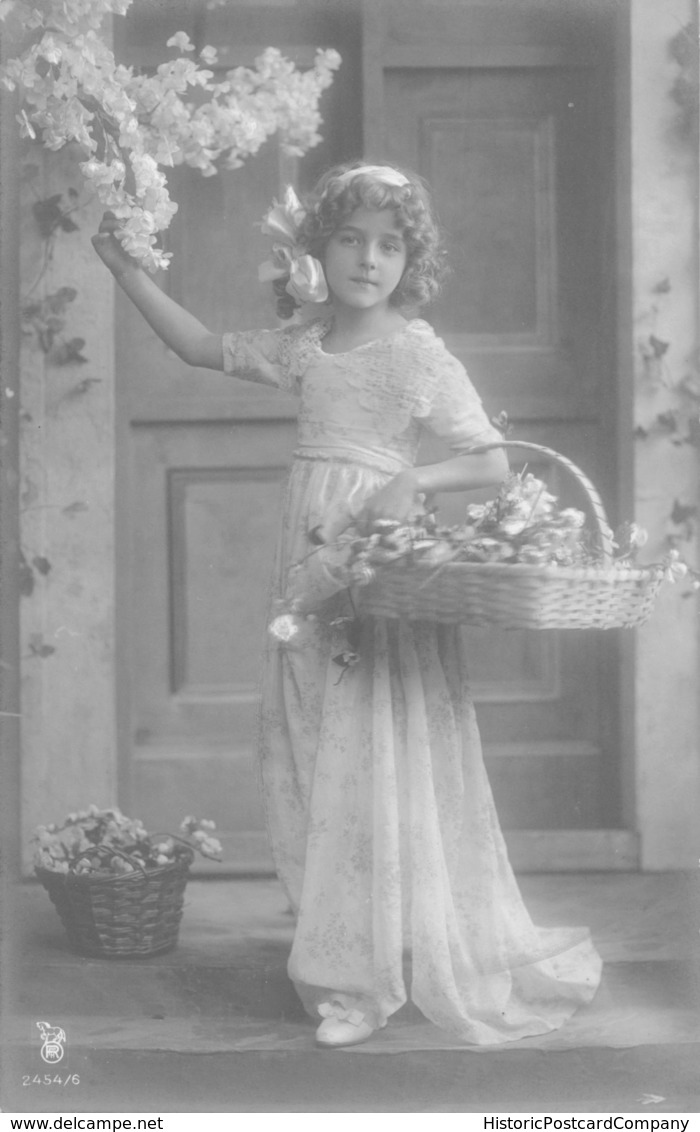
<point x="522" y="524"/>
<point x="106" y="843"/>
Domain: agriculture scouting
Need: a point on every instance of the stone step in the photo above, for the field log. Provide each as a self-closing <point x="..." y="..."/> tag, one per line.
<point x="225" y="985"/>
<point x="230" y="959"/>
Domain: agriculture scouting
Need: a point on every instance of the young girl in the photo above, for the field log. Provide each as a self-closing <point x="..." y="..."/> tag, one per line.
<point x="379" y="811"/>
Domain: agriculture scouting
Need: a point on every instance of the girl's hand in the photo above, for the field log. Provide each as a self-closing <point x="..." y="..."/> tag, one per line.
<point x="109" y="249"/>
<point x="399" y="500"/>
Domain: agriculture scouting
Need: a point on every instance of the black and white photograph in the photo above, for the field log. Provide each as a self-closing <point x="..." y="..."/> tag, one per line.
<point x="349" y="562"/>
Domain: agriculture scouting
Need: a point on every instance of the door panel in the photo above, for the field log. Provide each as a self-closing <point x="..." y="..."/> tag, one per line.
<point x="205" y="527"/>
<point x="502" y="152"/>
<point x="496" y="190"/>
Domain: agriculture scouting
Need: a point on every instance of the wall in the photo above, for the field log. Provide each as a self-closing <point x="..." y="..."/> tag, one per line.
<point x="66" y="510"/>
<point x="9" y="494"/>
<point x="663" y="344"/>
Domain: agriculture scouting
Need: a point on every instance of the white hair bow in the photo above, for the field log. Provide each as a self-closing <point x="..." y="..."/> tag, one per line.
<point x="384" y="173"/>
<point x="307" y="283"/>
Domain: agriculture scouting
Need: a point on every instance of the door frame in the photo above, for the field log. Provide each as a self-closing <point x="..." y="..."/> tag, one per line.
<point x="624" y="364"/>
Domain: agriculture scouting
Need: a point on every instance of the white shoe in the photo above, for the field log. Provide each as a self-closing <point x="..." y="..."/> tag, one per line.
<point x="342" y="1027"/>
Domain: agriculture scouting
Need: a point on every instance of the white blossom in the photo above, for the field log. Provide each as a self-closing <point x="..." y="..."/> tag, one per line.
<point x="284" y="628"/>
<point x="180" y="40"/>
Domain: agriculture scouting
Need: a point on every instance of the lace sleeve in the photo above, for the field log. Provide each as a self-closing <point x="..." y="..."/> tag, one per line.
<point x="272" y="357"/>
<point x="454" y="411"/>
<point x="256" y="355"/>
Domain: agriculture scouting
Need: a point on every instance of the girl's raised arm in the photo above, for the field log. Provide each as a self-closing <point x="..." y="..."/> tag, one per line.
<point x="179" y="329"/>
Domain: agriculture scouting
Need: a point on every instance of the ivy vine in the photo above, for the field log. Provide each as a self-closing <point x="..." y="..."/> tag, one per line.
<point x="45" y="318"/>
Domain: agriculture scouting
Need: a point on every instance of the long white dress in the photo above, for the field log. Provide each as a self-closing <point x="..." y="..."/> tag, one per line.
<point x="379" y="811"/>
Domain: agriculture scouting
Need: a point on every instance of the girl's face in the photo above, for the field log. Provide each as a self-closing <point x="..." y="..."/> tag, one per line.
<point x="365" y="259"/>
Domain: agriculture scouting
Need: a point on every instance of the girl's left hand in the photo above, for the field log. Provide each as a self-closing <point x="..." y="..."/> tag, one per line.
<point x="399" y="500"/>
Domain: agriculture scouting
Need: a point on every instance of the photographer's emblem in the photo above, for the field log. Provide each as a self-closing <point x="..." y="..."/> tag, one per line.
<point x="53" y="1038"/>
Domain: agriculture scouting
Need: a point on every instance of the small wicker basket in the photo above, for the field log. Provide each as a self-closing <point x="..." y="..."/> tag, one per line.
<point x="120" y="917"/>
<point x="519" y="596"/>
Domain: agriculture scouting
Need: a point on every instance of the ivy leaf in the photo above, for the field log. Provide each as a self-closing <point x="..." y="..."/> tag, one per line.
<point x="502" y="423"/>
<point x="30" y="311"/>
<point x="66" y="353"/>
<point x="48" y="214"/>
<point x="82" y="387"/>
<point x="668" y="421"/>
<point x="682" y="46"/>
<point x="57" y="301"/>
<point x="38" y="648"/>
<point x="682" y="512"/>
<point x="658" y="346"/>
<point x="41" y="564"/>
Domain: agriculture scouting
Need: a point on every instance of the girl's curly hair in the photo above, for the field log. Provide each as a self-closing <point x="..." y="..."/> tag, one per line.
<point x="334" y="199"/>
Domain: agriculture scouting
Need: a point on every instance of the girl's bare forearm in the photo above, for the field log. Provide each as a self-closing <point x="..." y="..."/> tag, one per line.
<point x="461" y="473"/>
<point x="176" y="327"/>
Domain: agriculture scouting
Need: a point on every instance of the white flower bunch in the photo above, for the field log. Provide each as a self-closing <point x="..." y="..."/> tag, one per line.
<point x="129" y="125"/>
<point x="106" y="842"/>
<point x="524" y="524"/>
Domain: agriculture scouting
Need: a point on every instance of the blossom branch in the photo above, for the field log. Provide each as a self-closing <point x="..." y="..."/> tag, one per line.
<point x="129" y="125"/>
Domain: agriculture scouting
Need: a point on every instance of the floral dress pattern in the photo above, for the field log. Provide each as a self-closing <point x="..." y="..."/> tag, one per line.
<point x="379" y="811"/>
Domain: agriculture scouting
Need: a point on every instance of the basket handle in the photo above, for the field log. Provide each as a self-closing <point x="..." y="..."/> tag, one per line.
<point x="602" y="528"/>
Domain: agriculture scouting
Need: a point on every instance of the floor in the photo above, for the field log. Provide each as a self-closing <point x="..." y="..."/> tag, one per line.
<point x="214" y="1026"/>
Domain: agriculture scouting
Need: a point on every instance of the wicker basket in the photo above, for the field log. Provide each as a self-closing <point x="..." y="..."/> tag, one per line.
<point x="520" y="596"/>
<point x="119" y="917"/>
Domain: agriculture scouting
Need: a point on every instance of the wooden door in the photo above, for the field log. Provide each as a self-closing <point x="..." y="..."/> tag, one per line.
<point x="506" y="110"/>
